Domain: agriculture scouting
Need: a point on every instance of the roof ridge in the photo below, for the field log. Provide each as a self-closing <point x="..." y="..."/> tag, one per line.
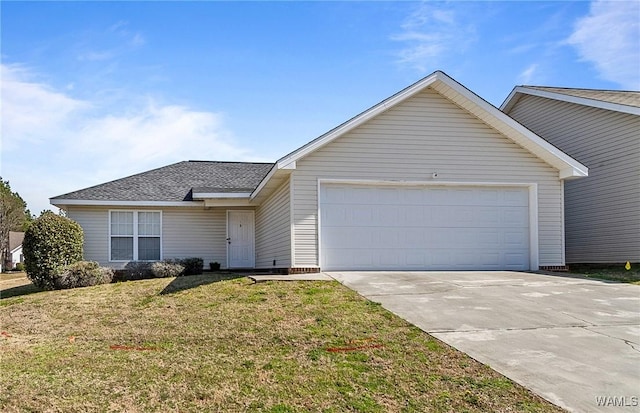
<point x="236" y="162"/>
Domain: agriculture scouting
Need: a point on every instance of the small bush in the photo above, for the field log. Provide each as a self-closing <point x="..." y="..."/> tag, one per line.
<point x="19" y="266"/>
<point x="163" y="269"/>
<point x="192" y="265"/>
<point x="51" y="242"/>
<point x="135" y="270"/>
<point x="142" y="270"/>
<point x="81" y="274"/>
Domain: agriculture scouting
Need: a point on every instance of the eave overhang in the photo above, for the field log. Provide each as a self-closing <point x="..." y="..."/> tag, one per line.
<point x="519" y="91"/>
<point x="568" y="168"/>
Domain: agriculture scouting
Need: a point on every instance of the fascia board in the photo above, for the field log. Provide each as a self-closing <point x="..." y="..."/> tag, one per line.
<point x="511" y="100"/>
<point x="264" y="181"/>
<point x="358" y="120"/>
<point x="81" y="202"/>
<point x="532" y="142"/>
<point x="220" y="195"/>
<point x="616" y="107"/>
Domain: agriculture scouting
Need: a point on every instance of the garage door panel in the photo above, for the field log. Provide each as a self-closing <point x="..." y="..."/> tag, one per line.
<point x="515" y="216"/>
<point x="516" y="197"/>
<point x="439" y="228"/>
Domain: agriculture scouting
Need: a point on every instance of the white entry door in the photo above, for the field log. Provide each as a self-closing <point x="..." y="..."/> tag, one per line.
<point x="367" y="227"/>
<point x="240" y="239"/>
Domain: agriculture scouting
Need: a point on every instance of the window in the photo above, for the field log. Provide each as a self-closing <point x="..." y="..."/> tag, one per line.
<point x="135" y="235"/>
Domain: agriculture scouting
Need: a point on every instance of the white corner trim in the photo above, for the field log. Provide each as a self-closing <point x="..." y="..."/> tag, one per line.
<point x="292" y="225"/>
<point x="534" y="253"/>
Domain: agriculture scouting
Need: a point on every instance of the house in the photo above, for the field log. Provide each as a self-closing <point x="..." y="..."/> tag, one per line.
<point x="433" y="177"/>
<point x="15" y="249"/>
<point x="601" y="129"/>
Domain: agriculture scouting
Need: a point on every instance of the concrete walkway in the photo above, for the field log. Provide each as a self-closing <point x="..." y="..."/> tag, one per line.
<point x="573" y="341"/>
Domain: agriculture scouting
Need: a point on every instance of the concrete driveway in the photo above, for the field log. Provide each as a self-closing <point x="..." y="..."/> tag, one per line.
<point x="573" y="341"/>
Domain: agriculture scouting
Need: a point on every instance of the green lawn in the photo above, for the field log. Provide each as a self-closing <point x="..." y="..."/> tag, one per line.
<point x="196" y="344"/>
<point x="608" y="272"/>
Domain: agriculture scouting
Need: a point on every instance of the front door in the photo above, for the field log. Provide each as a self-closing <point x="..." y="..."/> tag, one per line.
<point x="240" y="239"/>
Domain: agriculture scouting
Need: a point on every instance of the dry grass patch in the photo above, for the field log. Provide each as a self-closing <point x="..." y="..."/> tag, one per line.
<point x="191" y="345"/>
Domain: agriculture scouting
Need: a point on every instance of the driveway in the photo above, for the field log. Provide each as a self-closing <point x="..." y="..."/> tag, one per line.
<point x="573" y="341"/>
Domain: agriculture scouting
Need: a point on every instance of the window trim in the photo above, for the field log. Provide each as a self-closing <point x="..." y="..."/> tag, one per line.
<point x="135" y="235"/>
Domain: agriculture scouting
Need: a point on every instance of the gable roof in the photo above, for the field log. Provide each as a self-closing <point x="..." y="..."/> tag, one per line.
<point x="616" y="100"/>
<point x="184" y="182"/>
<point x="172" y="185"/>
<point x="459" y="95"/>
<point x="15" y="240"/>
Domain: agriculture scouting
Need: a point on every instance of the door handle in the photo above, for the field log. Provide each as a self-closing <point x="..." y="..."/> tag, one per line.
<point x="229" y="240"/>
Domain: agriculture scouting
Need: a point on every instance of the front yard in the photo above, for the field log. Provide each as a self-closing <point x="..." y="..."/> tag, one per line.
<point x="196" y="344"/>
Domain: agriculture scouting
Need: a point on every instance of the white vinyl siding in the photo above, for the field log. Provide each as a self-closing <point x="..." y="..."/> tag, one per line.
<point x="273" y="230"/>
<point x="195" y="232"/>
<point x="409" y="142"/>
<point x="602" y="211"/>
<point x="186" y="232"/>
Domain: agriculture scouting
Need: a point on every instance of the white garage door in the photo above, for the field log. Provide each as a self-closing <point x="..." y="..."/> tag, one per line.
<point x="365" y="227"/>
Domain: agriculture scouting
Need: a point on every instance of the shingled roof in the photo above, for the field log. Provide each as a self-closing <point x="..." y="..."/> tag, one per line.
<point x="621" y="97"/>
<point x="175" y="182"/>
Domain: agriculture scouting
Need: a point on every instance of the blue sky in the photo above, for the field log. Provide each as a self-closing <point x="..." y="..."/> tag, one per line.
<point x="95" y="91"/>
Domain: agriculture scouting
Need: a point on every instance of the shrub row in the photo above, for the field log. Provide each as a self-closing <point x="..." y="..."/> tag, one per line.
<point x="140" y="270"/>
<point x="81" y="274"/>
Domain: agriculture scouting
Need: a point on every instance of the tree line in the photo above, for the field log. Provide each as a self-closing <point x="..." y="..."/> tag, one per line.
<point x="14" y="216"/>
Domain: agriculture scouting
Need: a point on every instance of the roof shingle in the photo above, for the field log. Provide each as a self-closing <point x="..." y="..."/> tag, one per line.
<point x="175" y="182"/>
<point x="621" y="97"/>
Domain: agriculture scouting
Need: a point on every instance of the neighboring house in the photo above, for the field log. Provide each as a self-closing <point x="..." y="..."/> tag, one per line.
<point x="15" y="249"/>
<point x="601" y="129"/>
<point x="433" y="177"/>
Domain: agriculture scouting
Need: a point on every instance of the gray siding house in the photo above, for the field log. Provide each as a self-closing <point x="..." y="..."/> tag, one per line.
<point x="601" y="129"/>
<point x="433" y="177"/>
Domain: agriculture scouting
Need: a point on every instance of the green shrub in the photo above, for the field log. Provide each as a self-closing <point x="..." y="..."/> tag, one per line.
<point x="51" y="242"/>
<point x="19" y="266"/>
<point x="135" y="270"/>
<point x="141" y="270"/>
<point x="192" y="265"/>
<point x="81" y="274"/>
<point x="163" y="269"/>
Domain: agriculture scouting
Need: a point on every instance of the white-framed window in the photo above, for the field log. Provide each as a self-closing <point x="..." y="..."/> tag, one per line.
<point x="135" y="235"/>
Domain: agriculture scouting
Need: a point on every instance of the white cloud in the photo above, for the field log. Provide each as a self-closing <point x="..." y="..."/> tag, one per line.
<point x="528" y="74"/>
<point x="53" y="143"/>
<point x="429" y="33"/>
<point x="31" y="110"/>
<point x="609" y="37"/>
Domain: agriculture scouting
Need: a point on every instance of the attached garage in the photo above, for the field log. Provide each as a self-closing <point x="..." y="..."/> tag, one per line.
<point x="418" y="227"/>
<point x="431" y="178"/>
